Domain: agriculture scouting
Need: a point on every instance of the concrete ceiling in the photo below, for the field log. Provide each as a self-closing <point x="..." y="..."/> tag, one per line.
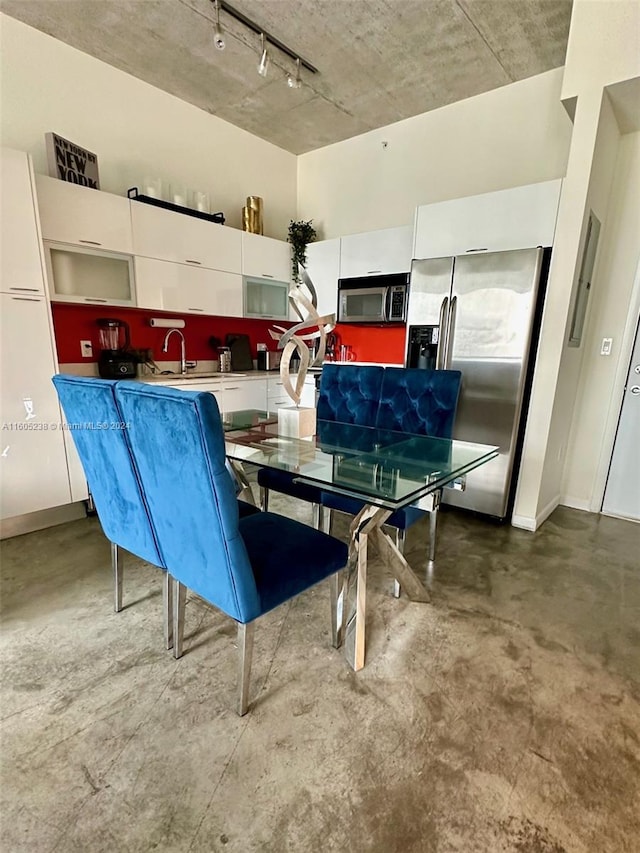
<point x="378" y="61"/>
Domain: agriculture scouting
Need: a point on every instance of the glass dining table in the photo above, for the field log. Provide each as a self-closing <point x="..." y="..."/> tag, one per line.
<point x="386" y="470"/>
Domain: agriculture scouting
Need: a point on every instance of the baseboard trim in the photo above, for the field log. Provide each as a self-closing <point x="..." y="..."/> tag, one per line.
<point x="20" y="524"/>
<point x="576" y="503"/>
<point x="526" y="522"/>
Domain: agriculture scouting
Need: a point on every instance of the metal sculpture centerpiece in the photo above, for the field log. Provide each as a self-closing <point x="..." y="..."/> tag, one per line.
<point x="312" y="327"/>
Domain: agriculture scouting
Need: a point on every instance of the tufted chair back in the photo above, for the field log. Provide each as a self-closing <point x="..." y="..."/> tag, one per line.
<point x="108" y="466"/>
<point x="350" y="393"/>
<point x="178" y="447"/>
<point x="422" y="402"/>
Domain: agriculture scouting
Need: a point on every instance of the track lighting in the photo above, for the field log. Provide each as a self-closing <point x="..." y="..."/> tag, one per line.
<point x="295" y="82"/>
<point x="218" y="35"/>
<point x="263" y="65"/>
<point x="268" y="42"/>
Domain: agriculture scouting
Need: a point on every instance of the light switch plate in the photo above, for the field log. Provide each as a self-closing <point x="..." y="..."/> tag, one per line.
<point x="86" y="348"/>
<point x="607" y="344"/>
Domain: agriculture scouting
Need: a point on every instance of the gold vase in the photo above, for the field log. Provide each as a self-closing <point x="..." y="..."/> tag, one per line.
<point x="254" y="214"/>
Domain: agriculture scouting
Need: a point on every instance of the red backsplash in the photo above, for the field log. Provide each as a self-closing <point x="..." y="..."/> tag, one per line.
<point x="75" y="323"/>
<point x="373" y="343"/>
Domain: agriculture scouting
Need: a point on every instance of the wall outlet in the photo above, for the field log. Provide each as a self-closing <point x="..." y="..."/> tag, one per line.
<point x="86" y="348"/>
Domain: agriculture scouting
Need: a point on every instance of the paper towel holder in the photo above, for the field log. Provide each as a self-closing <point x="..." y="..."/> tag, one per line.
<point x="166" y="323"/>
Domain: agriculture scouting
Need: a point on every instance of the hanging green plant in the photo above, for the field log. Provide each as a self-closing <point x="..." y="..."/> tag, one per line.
<point x="300" y="235"/>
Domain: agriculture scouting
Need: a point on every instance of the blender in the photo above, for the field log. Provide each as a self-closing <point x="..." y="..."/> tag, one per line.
<point x="116" y="361"/>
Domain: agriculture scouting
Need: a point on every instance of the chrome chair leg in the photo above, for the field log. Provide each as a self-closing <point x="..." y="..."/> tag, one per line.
<point x="401" y="536"/>
<point x="179" y="601"/>
<point x="264" y="498"/>
<point x="316" y="516"/>
<point x="325" y="520"/>
<point x="116" y="565"/>
<point x="337" y="588"/>
<point x="245" y="654"/>
<point x="433" y="521"/>
<point x="167" y="607"/>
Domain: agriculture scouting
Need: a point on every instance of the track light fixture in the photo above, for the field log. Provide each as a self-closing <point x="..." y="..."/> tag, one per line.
<point x="266" y="41"/>
<point x="263" y="65"/>
<point x="295" y="82"/>
<point x="218" y="35"/>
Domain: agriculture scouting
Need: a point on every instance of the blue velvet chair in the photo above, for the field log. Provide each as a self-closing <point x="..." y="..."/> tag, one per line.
<point x="421" y="402"/>
<point x="244" y="566"/>
<point x="348" y="394"/>
<point x="113" y="482"/>
<point x="106" y="459"/>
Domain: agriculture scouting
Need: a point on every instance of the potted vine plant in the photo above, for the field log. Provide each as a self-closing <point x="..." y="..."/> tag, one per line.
<point x="300" y="235"/>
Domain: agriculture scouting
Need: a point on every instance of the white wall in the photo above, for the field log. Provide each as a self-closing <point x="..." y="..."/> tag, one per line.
<point x="603" y="46"/>
<point x="603" y="49"/>
<point x="518" y="134"/>
<point x="559" y="447"/>
<point x="611" y="294"/>
<point x="135" y="129"/>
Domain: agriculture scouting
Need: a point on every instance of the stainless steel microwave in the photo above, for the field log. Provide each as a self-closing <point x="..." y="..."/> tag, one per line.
<point x="373" y="299"/>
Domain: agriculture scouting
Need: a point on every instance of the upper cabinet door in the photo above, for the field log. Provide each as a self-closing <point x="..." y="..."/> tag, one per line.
<point x="179" y="237"/>
<point x="517" y="218"/>
<point x="376" y="252"/>
<point x="21" y="268"/>
<point x="323" y="266"/>
<point x="82" y="216"/>
<point x="264" y="257"/>
<point x="165" y="286"/>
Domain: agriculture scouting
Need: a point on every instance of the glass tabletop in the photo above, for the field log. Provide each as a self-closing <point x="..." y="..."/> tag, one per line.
<point x="391" y="469"/>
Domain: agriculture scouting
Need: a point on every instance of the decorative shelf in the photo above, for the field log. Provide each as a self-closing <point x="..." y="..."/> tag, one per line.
<point x="176" y="208"/>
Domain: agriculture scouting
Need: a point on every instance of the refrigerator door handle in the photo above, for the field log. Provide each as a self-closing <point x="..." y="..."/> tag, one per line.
<point x="442" y="340"/>
<point x="451" y="327"/>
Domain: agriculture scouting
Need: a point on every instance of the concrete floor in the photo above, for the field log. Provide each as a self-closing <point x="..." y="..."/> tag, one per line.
<point x="503" y="717"/>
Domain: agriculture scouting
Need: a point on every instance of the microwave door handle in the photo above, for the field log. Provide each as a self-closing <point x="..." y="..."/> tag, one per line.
<point x="451" y="328"/>
<point x="442" y="336"/>
<point x="386" y="314"/>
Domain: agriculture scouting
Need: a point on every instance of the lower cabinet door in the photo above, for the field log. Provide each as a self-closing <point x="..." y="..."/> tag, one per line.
<point x="32" y="451"/>
<point x="245" y="394"/>
<point x="168" y="286"/>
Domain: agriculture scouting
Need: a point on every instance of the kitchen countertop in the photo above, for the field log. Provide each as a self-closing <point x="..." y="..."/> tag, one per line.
<point x="209" y="377"/>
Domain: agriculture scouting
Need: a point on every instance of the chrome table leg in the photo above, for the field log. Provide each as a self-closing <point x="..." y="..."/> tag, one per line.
<point x="401" y="536"/>
<point x="367" y="523"/>
<point x="246" y="492"/>
<point x="337" y="586"/>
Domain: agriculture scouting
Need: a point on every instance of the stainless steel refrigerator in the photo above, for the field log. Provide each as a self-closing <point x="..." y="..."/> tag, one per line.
<point x="479" y="313"/>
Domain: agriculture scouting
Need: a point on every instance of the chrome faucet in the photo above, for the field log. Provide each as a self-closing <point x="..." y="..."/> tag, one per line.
<point x="183" y="352"/>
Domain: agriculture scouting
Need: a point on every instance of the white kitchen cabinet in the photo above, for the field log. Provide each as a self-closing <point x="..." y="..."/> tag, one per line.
<point x="166" y="286"/>
<point x="83" y="216"/>
<point x="240" y="393"/>
<point x="172" y="236"/>
<point x="376" y="252"/>
<point x="265" y="299"/>
<point x="277" y="397"/>
<point x="264" y="257"/>
<point x="21" y="264"/>
<point x="32" y="456"/>
<point x="517" y="218"/>
<point x="323" y="266"/>
<point x="89" y="276"/>
<point x="212" y="386"/>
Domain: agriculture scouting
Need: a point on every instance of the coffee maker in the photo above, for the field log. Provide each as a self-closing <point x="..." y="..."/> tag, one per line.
<point x="116" y="361"/>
